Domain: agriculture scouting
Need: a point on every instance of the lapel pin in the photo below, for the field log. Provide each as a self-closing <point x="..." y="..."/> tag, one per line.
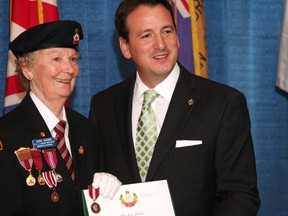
<point x="42" y="134"/>
<point x="81" y="150"/>
<point x="1" y="145"/>
<point x="190" y="102"/>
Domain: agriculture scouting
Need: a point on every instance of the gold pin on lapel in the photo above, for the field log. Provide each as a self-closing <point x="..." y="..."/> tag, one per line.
<point x="190" y="102"/>
<point x="1" y="145"/>
<point x="81" y="150"/>
<point x="42" y="134"/>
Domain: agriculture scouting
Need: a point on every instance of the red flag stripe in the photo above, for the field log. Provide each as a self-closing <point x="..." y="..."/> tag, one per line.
<point x="185" y="4"/>
<point x="50" y="12"/>
<point x="12" y="86"/>
<point x="20" y="14"/>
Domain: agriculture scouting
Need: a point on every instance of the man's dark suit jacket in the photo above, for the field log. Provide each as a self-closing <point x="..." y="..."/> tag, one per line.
<point x="217" y="177"/>
<point x="17" y="129"/>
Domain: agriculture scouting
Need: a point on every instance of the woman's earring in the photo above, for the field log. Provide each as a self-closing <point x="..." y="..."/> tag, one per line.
<point x="30" y="77"/>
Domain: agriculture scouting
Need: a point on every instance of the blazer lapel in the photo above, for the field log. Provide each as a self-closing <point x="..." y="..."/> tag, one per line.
<point x="76" y="140"/>
<point x="33" y="118"/>
<point x="123" y="109"/>
<point x="182" y="103"/>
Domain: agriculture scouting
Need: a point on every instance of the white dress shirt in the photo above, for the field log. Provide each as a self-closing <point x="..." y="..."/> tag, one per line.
<point x="160" y="104"/>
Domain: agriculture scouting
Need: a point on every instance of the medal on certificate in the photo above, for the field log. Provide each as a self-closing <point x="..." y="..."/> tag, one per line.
<point x="51" y="181"/>
<point x="23" y="155"/>
<point x="94" y="193"/>
<point x="37" y="159"/>
<point x="51" y="159"/>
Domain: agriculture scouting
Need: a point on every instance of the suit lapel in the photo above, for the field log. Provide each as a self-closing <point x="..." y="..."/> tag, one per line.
<point x="33" y="118"/>
<point x="123" y="109"/>
<point x="76" y="139"/>
<point x="182" y="103"/>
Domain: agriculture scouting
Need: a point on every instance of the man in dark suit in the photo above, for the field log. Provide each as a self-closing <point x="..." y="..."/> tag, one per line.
<point x="41" y="176"/>
<point x="204" y="148"/>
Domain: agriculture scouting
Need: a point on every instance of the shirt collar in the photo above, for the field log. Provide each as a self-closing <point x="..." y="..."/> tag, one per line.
<point x="165" y="88"/>
<point x="50" y="119"/>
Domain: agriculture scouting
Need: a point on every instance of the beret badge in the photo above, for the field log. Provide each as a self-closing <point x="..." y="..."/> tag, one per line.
<point x="76" y="37"/>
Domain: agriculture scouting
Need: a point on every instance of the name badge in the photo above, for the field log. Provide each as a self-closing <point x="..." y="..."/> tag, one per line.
<point x="44" y="143"/>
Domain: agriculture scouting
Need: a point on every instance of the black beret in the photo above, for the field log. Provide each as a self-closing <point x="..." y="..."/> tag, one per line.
<point x="64" y="33"/>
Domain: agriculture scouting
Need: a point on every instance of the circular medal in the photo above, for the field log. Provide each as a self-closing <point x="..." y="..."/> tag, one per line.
<point x="41" y="180"/>
<point x="30" y="180"/>
<point x="55" y="196"/>
<point x="95" y="207"/>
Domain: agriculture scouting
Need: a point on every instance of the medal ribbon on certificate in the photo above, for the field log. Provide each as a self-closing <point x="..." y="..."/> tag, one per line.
<point x="51" y="159"/>
<point x="23" y="155"/>
<point x="94" y="193"/>
<point x="51" y="181"/>
<point x="37" y="159"/>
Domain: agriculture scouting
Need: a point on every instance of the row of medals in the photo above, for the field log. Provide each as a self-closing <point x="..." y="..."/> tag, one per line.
<point x="25" y="159"/>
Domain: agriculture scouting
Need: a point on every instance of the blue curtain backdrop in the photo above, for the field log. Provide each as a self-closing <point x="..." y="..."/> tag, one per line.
<point x="242" y="43"/>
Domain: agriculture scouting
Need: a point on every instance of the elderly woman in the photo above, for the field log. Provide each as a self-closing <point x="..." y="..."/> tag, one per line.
<point x="49" y="152"/>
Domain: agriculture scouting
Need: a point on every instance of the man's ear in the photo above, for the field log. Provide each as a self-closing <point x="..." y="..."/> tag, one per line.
<point x="124" y="46"/>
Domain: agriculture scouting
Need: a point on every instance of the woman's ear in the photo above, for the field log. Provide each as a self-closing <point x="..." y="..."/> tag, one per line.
<point x="26" y="71"/>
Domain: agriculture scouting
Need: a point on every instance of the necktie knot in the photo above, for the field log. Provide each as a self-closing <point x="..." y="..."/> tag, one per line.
<point x="60" y="128"/>
<point x="149" y="96"/>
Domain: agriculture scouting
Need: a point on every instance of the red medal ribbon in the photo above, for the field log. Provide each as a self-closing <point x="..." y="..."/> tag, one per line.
<point x="51" y="158"/>
<point x="93" y="192"/>
<point x="23" y="155"/>
<point x="27" y="164"/>
<point x="37" y="159"/>
<point x="50" y="179"/>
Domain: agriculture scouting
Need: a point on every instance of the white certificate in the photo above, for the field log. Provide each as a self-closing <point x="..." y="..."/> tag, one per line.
<point x="140" y="199"/>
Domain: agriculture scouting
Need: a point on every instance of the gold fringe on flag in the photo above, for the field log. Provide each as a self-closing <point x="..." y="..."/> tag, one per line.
<point x="10" y="11"/>
<point x="198" y="37"/>
<point x="40" y="12"/>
